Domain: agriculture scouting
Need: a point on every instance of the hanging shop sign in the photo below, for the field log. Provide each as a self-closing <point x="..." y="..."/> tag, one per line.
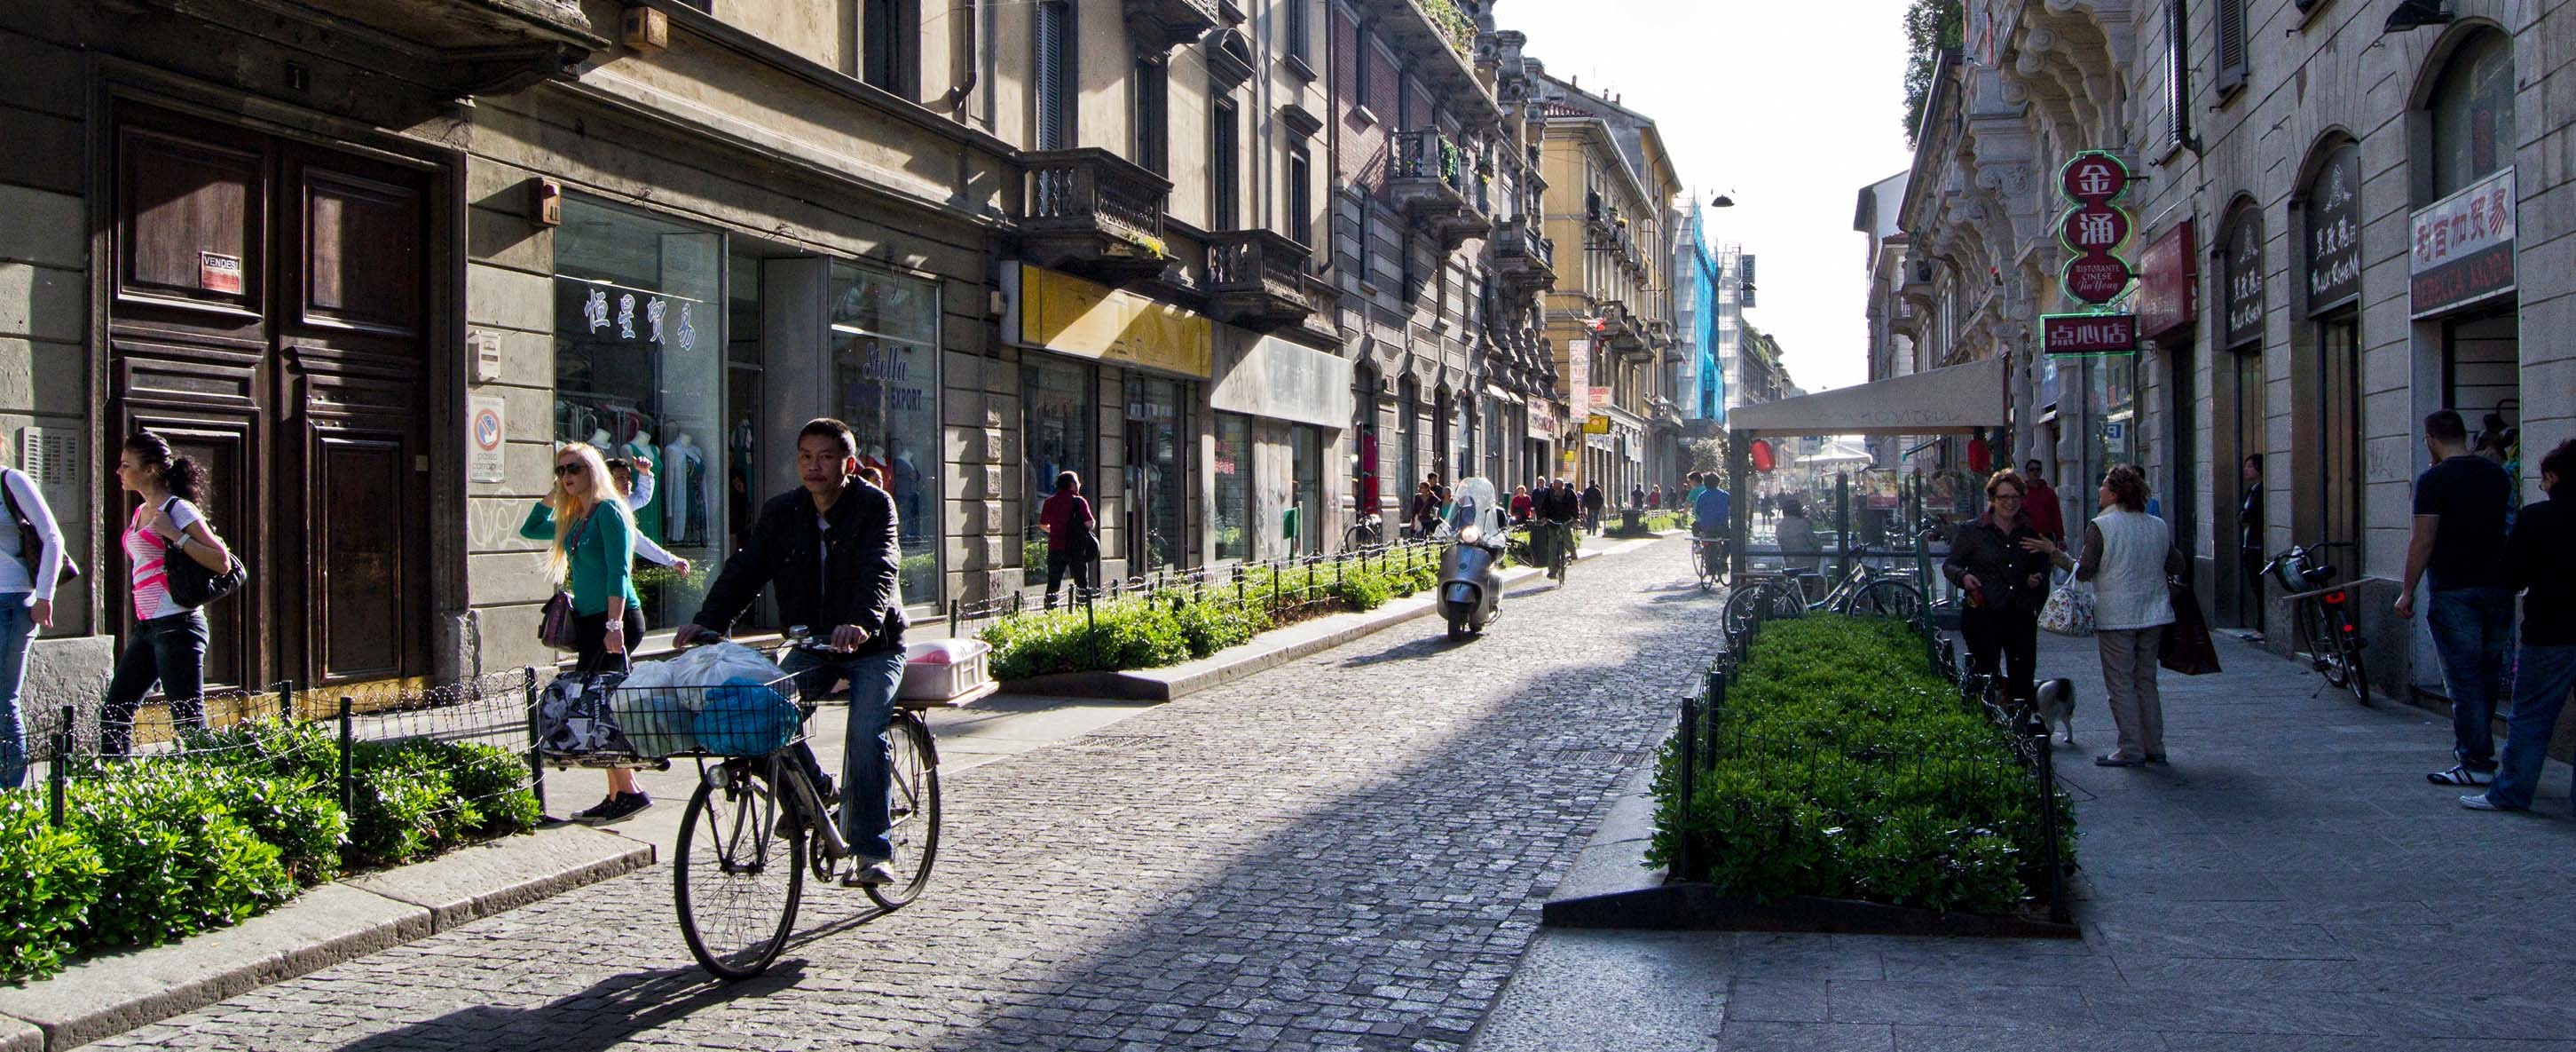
<point x="2088" y="334"/>
<point x="2168" y="295"/>
<point x="1068" y="315"/>
<point x="2094" y="226"/>
<point x="2334" y="231"/>
<point x="1578" y="377"/>
<point x="1596" y="425"/>
<point x="2241" y="276"/>
<point x="2463" y="247"/>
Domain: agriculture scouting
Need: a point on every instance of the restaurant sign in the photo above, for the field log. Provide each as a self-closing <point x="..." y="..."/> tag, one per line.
<point x="2168" y="298"/>
<point x="2088" y="334"/>
<point x="2463" y="247"/>
<point x="2094" y="226"/>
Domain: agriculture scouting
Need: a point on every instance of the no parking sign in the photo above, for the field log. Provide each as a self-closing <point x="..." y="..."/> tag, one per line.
<point x="484" y="429"/>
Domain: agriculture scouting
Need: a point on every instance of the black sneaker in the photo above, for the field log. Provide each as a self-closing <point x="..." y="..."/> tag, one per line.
<point x="616" y="808"/>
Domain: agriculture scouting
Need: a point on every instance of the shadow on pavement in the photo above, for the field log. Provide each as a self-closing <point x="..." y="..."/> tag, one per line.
<point x="602" y="1016"/>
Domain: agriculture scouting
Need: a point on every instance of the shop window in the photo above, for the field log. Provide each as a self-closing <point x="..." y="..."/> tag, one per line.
<point x="885" y="341"/>
<point x="1060" y="431"/>
<point x="640" y="373"/>
<point x="1158" y="437"/>
<point x="1232" y="493"/>
<point x="2471" y="112"/>
<point x="1307" y="489"/>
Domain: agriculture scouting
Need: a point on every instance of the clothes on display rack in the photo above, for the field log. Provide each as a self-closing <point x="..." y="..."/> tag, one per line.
<point x="692" y="490"/>
<point x="648" y="518"/>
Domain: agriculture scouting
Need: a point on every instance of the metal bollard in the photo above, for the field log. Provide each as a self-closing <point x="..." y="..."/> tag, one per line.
<point x="58" y="779"/>
<point x="348" y="743"/>
<point x="536" y="736"/>
<point x="286" y="701"/>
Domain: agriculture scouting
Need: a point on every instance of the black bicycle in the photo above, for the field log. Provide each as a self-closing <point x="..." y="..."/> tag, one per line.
<point x="1708" y="560"/>
<point x="2322" y="614"/>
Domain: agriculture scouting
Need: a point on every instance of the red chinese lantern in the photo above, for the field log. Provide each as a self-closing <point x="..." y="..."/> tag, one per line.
<point x="1760" y="451"/>
<point x="1980" y="458"/>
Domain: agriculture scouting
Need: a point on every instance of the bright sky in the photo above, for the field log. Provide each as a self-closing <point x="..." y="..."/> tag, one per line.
<point x="1762" y="103"/>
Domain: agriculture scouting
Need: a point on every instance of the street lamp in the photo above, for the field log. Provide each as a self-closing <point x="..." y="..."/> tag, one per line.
<point x="1722" y="201"/>
<point x="2416" y="14"/>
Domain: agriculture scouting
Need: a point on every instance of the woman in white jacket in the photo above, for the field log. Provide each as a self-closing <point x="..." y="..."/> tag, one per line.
<point x="2128" y="557"/>
<point x="31" y="560"/>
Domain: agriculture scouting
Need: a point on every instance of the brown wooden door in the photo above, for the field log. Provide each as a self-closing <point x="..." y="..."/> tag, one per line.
<point x="269" y="316"/>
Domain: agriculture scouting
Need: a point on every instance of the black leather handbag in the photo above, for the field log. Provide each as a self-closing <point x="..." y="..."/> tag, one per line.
<point x="191" y="584"/>
<point x="30" y="547"/>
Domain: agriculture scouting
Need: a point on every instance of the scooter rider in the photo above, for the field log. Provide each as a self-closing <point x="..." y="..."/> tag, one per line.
<point x="829" y="548"/>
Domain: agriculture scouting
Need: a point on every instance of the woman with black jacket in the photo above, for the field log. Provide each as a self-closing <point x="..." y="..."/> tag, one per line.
<point x="2005" y="583"/>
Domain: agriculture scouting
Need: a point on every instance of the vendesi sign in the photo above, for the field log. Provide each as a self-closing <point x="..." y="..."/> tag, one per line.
<point x="2463" y="247"/>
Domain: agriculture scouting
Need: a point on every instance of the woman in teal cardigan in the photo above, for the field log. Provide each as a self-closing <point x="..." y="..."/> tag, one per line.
<point x="593" y="547"/>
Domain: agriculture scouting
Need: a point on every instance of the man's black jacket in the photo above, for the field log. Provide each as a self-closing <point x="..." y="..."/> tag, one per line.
<point x="854" y="586"/>
<point x="1560" y="505"/>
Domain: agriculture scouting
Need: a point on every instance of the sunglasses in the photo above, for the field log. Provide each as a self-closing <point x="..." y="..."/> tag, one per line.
<point x="574" y="468"/>
<point x="2004" y="496"/>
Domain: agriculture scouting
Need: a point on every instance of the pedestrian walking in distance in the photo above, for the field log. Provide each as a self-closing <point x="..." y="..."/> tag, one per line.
<point x="31" y="561"/>
<point x="2128" y="556"/>
<point x="2457" y="550"/>
<point x="2249" y="549"/>
<point x="2539" y="561"/>
<point x="169" y="642"/>
<point x="2005" y="584"/>
<point x="1067" y="519"/>
<point x="591" y="546"/>
<point x="2046" y="518"/>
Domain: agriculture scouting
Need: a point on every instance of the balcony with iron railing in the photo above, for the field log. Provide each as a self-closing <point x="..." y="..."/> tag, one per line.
<point x="454" y="47"/>
<point x="1162" y="25"/>
<point x="1434" y="183"/>
<point x="1524" y="257"/>
<point x="1091" y="211"/>
<point x="1257" y="279"/>
<point x="1440" y="38"/>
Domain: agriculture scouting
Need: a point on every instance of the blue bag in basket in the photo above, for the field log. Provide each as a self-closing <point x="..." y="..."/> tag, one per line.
<point x="747" y="717"/>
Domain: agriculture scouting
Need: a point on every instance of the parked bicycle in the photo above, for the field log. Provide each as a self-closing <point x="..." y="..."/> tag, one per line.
<point x="1368" y="532"/>
<point x="1861" y="590"/>
<point x="757" y="822"/>
<point x="2321" y="612"/>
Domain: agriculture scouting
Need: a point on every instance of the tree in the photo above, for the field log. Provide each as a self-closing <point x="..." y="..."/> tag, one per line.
<point x="1931" y="26"/>
<point x="1708" y="454"/>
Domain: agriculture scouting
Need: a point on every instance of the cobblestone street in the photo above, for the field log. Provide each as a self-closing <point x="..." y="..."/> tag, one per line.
<point x="1346" y="851"/>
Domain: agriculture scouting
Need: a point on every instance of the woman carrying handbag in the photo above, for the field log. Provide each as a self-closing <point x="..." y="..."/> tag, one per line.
<point x="2128" y="556"/>
<point x="169" y="642"/>
<point x="32" y="561"/>
<point x="597" y="616"/>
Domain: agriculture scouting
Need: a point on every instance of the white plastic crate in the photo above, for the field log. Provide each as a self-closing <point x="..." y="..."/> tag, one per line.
<point x="946" y="670"/>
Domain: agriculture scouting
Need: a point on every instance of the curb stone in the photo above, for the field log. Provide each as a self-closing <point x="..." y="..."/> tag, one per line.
<point x="112" y="993"/>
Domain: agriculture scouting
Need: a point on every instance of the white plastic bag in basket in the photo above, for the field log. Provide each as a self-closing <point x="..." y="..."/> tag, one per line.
<point x="714" y="666"/>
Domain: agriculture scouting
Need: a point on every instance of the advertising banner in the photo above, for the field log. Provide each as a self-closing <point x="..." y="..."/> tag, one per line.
<point x="2463" y="247"/>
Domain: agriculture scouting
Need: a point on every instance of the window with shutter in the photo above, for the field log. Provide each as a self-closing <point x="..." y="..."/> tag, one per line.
<point x="1054" y="80"/>
<point x="1223" y="178"/>
<point x="1301" y="196"/>
<point x="2177" y="76"/>
<point x="890" y="45"/>
<point x="2231" y="47"/>
<point x="1151" y="131"/>
<point x="1294" y="28"/>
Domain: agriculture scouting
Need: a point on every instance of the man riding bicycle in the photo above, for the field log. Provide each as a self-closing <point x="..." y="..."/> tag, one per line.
<point x="1709" y="519"/>
<point x="829" y="547"/>
<point x="1557" y="512"/>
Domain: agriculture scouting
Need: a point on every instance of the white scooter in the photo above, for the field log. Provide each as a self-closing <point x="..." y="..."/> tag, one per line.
<point x="1471" y="580"/>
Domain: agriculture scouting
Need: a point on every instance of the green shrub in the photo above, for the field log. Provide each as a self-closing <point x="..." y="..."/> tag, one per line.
<point x="402" y="804"/>
<point x="496" y="781"/>
<point x="176" y="861"/>
<point x="306" y="752"/>
<point x="50" y="880"/>
<point x="1845" y="767"/>
<point x="301" y="819"/>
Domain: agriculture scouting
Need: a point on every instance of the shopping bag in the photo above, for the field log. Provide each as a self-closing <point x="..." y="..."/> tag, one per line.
<point x="574" y="718"/>
<point x="2070" y="610"/>
<point x="2186" y="647"/>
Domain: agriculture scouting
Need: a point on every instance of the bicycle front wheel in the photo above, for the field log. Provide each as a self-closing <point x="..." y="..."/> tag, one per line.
<point x="737" y="879"/>
<point x="914" y="809"/>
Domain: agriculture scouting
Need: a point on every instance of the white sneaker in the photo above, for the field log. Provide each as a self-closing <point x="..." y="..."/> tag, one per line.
<point x="868" y="873"/>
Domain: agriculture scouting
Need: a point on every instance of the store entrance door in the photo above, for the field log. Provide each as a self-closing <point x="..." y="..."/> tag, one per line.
<point x="268" y="313"/>
<point x="1158" y="477"/>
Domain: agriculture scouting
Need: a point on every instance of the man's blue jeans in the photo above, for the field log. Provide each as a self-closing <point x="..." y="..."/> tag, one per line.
<point x="2542" y="678"/>
<point x="2471" y="629"/>
<point x="17" y="630"/>
<point x="867" y="760"/>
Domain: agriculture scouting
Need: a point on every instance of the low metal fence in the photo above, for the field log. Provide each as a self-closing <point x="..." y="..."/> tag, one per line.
<point x="244" y="726"/>
<point x="1704" y="738"/>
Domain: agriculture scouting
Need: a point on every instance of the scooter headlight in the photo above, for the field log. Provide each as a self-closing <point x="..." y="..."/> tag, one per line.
<point x="1471" y="535"/>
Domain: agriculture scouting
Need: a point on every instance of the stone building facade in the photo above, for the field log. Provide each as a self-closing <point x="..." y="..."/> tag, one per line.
<point x="372" y="264"/>
<point x="2342" y="223"/>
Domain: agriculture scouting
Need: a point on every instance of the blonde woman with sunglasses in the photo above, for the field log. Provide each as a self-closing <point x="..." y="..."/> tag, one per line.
<point x="593" y="548"/>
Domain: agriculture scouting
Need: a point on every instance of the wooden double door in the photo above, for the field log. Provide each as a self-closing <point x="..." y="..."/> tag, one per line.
<point x="269" y="313"/>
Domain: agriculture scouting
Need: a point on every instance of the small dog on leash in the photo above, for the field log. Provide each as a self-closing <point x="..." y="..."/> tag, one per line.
<point x="2055" y="704"/>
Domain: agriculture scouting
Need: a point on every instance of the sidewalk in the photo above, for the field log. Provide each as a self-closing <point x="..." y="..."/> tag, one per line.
<point x="2290" y="883"/>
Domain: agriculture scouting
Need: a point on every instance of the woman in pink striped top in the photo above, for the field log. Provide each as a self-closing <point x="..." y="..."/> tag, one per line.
<point x="169" y="641"/>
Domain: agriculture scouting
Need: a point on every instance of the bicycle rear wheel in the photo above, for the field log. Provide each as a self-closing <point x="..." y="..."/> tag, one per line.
<point x="737" y="881"/>
<point x="1887" y="598"/>
<point x="915" y="809"/>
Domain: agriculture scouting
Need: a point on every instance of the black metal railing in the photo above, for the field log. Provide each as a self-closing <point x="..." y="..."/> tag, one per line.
<point x="1092" y="187"/>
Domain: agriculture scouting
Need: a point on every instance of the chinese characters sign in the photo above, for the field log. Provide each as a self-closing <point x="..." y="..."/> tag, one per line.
<point x="2094" y="227"/>
<point x="2088" y="333"/>
<point x="2242" y="278"/>
<point x="2334" y="231"/>
<point x="2463" y="246"/>
<point x="601" y="312"/>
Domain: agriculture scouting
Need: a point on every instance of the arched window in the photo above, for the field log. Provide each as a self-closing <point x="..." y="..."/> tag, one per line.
<point x="2470" y="114"/>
